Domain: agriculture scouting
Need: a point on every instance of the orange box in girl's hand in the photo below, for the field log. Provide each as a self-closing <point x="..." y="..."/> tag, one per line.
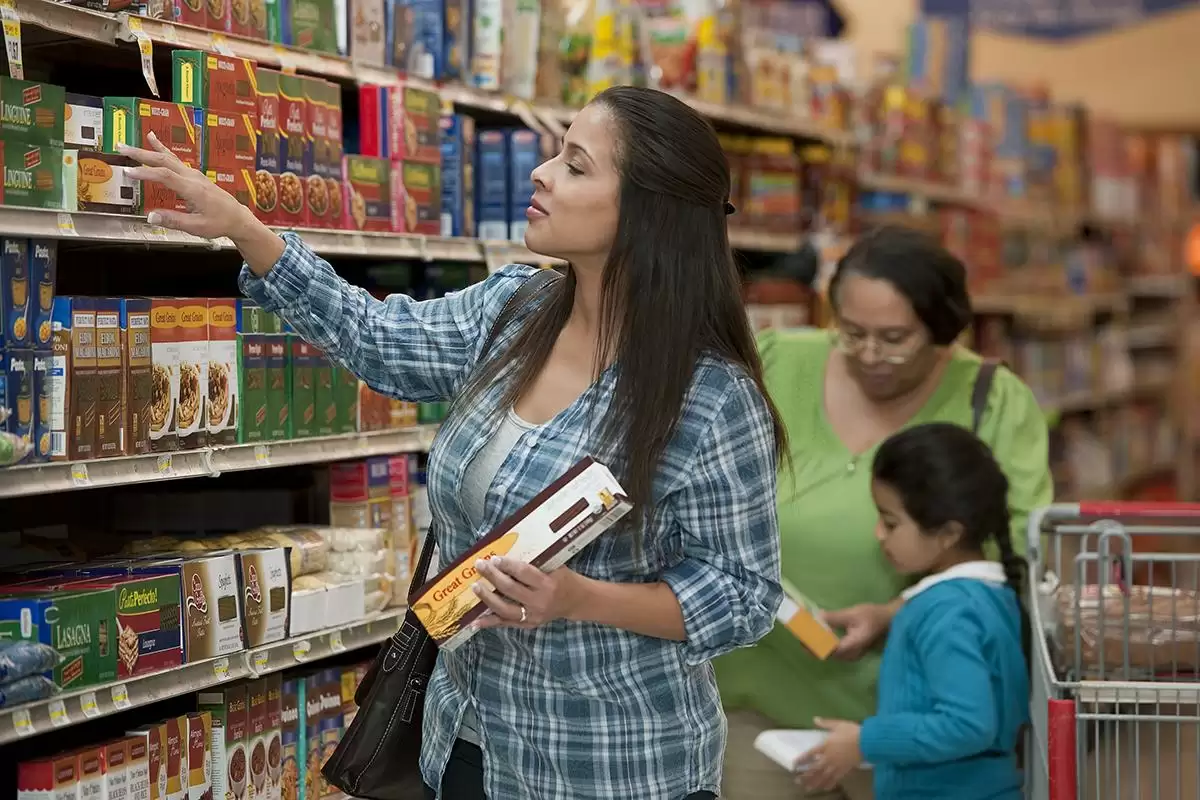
<point x="803" y="620"/>
<point x="563" y="519"/>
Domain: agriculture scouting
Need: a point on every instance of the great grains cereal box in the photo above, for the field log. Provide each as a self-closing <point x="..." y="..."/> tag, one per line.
<point x="546" y="532"/>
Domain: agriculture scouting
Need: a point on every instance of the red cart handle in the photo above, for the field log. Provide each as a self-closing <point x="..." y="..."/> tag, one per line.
<point x="1104" y="508"/>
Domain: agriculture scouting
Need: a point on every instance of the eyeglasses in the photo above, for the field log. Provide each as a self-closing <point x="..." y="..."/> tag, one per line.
<point x="894" y="353"/>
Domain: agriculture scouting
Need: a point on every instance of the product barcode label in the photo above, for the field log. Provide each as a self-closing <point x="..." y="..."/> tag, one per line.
<point x="22" y="722"/>
<point x="88" y="704"/>
<point x="120" y="697"/>
<point x="79" y="475"/>
<point x="58" y="714"/>
<point x="335" y="642"/>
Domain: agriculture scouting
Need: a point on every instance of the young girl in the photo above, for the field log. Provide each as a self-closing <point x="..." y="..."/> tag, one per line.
<point x="954" y="684"/>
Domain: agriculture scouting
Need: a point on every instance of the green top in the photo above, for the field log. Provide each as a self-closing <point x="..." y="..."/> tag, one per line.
<point x="827" y="523"/>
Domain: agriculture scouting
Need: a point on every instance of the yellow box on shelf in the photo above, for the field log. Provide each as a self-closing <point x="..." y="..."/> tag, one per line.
<point x="803" y="619"/>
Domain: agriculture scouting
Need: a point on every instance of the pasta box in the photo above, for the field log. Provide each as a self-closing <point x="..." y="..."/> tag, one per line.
<point x="33" y="175"/>
<point x="77" y="622"/>
<point x="546" y="532"/>
<point x="32" y="112"/>
<point x="369" y="196"/>
<point x="215" y="82"/>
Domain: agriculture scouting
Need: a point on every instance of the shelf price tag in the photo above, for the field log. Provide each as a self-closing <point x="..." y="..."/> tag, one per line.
<point x="79" y="475"/>
<point x="260" y="662"/>
<point x="287" y="60"/>
<point x="12" y="38"/>
<point x="66" y="225"/>
<point x="89" y="706"/>
<point x="165" y="465"/>
<point x="58" y="714"/>
<point x="120" y="697"/>
<point x="300" y="649"/>
<point x="335" y="642"/>
<point x="146" y="50"/>
<point x="221" y="45"/>
<point x="262" y="455"/>
<point x="221" y="669"/>
<point x="22" y="722"/>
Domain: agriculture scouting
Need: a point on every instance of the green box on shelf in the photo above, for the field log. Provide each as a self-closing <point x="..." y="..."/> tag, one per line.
<point x="252" y="373"/>
<point x="33" y="175"/>
<point x="279" y="380"/>
<point x="431" y="413"/>
<point x="32" y="112"/>
<point x="346" y="390"/>
<point x="313" y="25"/>
<point x="302" y="357"/>
<point x="79" y="624"/>
<point x="326" y="395"/>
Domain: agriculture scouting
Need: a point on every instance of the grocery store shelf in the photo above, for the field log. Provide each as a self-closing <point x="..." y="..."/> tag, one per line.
<point x="1168" y="286"/>
<point x="72" y="708"/>
<point x="110" y="28"/>
<point x="1089" y="400"/>
<point x="1046" y="303"/>
<point x="38" y="479"/>
<point x="764" y="242"/>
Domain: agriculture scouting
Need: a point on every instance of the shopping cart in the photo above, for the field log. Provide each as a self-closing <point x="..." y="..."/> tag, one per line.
<point x="1116" y="659"/>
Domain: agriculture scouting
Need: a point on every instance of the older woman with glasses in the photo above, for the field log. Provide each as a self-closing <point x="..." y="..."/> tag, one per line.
<point x="900" y="304"/>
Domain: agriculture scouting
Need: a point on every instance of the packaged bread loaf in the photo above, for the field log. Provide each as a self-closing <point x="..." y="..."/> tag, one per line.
<point x="308" y="547"/>
<point x="1160" y="626"/>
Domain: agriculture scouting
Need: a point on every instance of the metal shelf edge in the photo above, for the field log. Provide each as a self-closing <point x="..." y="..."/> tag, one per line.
<point x="72" y="708"/>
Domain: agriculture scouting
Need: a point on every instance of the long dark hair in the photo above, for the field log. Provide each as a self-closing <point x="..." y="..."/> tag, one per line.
<point x="670" y="291"/>
<point x="944" y="473"/>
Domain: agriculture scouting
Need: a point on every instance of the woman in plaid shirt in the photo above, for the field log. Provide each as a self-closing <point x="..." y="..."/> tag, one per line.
<point x="592" y="681"/>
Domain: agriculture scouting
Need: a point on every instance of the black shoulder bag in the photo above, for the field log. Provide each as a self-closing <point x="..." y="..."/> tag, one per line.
<point x="378" y="757"/>
<point x="981" y="390"/>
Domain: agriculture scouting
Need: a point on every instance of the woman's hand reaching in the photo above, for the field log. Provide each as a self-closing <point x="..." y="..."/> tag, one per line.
<point x="524" y="596"/>
<point x="212" y="212"/>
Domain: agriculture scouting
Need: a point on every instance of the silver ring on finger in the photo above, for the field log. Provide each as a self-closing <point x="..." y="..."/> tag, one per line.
<point x="524" y="615"/>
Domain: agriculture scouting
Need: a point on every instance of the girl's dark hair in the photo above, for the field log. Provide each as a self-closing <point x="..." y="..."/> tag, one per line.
<point x="928" y="275"/>
<point x="944" y="473"/>
<point x="670" y="292"/>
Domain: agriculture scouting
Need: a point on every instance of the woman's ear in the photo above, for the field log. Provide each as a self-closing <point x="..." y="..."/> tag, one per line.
<point x="950" y="535"/>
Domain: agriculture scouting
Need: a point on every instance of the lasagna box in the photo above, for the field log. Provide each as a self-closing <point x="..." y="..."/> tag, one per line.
<point x="546" y="532"/>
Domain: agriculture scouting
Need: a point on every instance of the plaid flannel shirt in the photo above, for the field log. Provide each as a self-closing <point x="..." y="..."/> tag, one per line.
<point x="571" y="710"/>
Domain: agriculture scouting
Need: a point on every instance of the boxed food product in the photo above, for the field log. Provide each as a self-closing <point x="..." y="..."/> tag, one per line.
<point x="222" y="379"/>
<point x="116" y="768"/>
<point x="252" y="373"/>
<point x="60" y="370"/>
<point x="15" y="302"/>
<point x="369" y="200"/>
<point x="323" y="720"/>
<point x="230" y="142"/>
<point x="147" y="620"/>
<point x="137" y="375"/>
<point x="457" y="65"/>
<point x="268" y="165"/>
<point x="293" y="751"/>
<point x="150" y="739"/>
<point x="403" y="531"/>
<point x="175" y="772"/>
<point x="265" y="581"/>
<point x="311" y="24"/>
<point x="91" y="771"/>
<point x="274" y="736"/>
<point x="137" y="769"/>
<point x="257" y="721"/>
<point x="491" y="184"/>
<point x="332" y="159"/>
<point x="304" y="387"/>
<point x="240" y="23"/>
<point x="33" y="112"/>
<point x="83" y="121"/>
<point x="49" y="778"/>
<point x="100" y="182"/>
<point x="33" y="175"/>
<point x="360" y="494"/>
<point x="215" y="82"/>
<point x="212" y="611"/>
<point x="165" y="334"/>
<point x="81" y="381"/>
<point x="325" y="404"/>
<point x="43" y="267"/>
<point x="239" y="183"/>
<point x="187" y="12"/>
<point x="229" y="709"/>
<point x="368" y="24"/>
<point x="193" y="373"/>
<point x="422" y="207"/>
<point x="110" y="368"/>
<point x="803" y="619"/>
<point x="347" y="399"/>
<point x="293" y="131"/>
<point x="546" y="532"/>
<point x="218" y="15"/>
<point x="458" y="175"/>
<point x="17" y="392"/>
<point x="259" y="19"/>
<point x="279" y="379"/>
<point x="179" y="127"/>
<point x="199" y="755"/>
<point x="42" y="420"/>
<point x="75" y="622"/>
<point x="400" y="123"/>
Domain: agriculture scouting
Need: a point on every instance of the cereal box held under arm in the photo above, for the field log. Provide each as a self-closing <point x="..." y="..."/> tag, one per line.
<point x="546" y="532"/>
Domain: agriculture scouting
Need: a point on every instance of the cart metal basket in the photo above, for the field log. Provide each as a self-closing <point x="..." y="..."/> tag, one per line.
<point x="1115" y="700"/>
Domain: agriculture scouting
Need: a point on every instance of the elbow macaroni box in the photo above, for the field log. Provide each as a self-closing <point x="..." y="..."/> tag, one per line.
<point x="546" y="532"/>
<point x="803" y="620"/>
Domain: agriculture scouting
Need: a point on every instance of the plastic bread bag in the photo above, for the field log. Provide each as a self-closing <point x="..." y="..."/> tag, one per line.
<point x="26" y="690"/>
<point x="309" y="550"/>
<point x="354" y="540"/>
<point x="19" y="659"/>
<point x="13" y="449"/>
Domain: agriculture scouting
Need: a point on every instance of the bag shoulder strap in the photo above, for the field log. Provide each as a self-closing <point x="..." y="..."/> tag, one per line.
<point x="981" y="390"/>
<point x="519" y="299"/>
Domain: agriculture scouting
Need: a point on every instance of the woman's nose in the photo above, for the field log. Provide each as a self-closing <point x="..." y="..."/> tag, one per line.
<point x="540" y="176"/>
